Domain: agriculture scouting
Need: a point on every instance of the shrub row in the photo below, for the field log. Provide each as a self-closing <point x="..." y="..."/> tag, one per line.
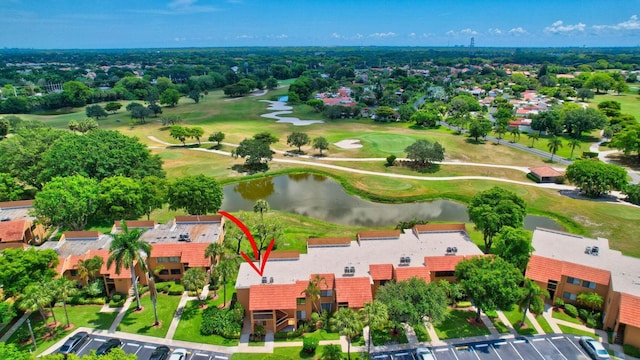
<point x="226" y="323"/>
<point x="571" y="310"/>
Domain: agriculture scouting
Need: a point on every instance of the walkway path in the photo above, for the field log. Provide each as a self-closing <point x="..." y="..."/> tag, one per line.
<point x="123" y="311"/>
<point x="604" y="157"/>
<point x="15" y="327"/>
<point x="176" y="316"/>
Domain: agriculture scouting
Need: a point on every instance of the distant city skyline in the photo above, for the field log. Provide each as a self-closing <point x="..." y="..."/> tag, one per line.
<point x="90" y="24"/>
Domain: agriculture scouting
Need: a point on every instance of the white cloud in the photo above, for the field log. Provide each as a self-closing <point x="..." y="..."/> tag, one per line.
<point x="412" y="35"/>
<point x="495" y="31"/>
<point x="518" y="31"/>
<point x="559" y="27"/>
<point x="280" y="36"/>
<point x="383" y="35"/>
<point x="244" y="36"/>
<point x="632" y="24"/>
<point x="463" y="32"/>
<point x="354" y="37"/>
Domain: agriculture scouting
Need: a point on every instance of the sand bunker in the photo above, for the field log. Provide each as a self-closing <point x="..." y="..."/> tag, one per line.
<point x="349" y="144"/>
<point x="282" y="108"/>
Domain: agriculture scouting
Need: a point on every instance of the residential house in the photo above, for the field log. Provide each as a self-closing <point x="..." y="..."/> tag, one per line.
<point x="351" y="271"/>
<point x="17" y="228"/>
<point x="546" y="174"/>
<point x="567" y="265"/>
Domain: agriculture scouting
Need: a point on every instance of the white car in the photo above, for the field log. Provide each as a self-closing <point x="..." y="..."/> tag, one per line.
<point x="424" y="354"/>
<point x="594" y="348"/>
<point x="178" y="354"/>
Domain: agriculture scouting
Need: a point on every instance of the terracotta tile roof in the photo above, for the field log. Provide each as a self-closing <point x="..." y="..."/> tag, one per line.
<point x="13" y="230"/>
<point x="442" y="263"/>
<point x="378" y="234"/>
<point x="284" y="254"/>
<point x="273" y="296"/>
<point x="191" y="254"/>
<point x="406" y="273"/>
<point x="353" y="291"/>
<point x="545" y="171"/>
<point x="543" y="269"/>
<point x="586" y="273"/>
<point x="16" y="204"/>
<point x="198" y="218"/>
<point x="327" y="284"/>
<point x="111" y="271"/>
<point x="328" y="241"/>
<point x="629" y="310"/>
<point x="425" y="228"/>
<point x="81" y="234"/>
<point x="381" y="271"/>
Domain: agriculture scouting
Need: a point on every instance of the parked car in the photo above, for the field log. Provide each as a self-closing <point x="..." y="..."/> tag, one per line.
<point x="160" y="353"/>
<point x="108" y="346"/>
<point x="594" y="349"/>
<point x="73" y="343"/>
<point x="179" y="354"/>
<point x="424" y="354"/>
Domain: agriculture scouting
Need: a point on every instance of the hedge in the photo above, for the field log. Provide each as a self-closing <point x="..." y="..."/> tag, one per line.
<point x="176" y="289"/>
<point x="571" y="310"/>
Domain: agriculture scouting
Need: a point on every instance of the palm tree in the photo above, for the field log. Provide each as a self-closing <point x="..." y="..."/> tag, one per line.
<point x="533" y="136"/>
<point x="88" y="269"/>
<point x="348" y="324"/>
<point x="574" y="143"/>
<point x="532" y="298"/>
<point x="35" y="298"/>
<point x="261" y="206"/>
<point x="313" y="290"/>
<point x="125" y="251"/>
<point x="375" y="315"/>
<point x="227" y="269"/>
<point x="515" y="132"/>
<point x="194" y="279"/>
<point x="63" y="289"/>
<point x="331" y="352"/>
<point x="212" y="251"/>
<point x="554" y="144"/>
<point x="592" y="300"/>
<point x="153" y="292"/>
<point x="500" y="130"/>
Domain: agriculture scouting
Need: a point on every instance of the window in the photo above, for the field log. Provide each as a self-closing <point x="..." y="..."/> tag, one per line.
<point x="445" y="273"/>
<point x="552" y="285"/>
<point x="164" y="272"/>
<point x="326" y="293"/>
<point x="301" y="301"/>
<point x="572" y="280"/>
<point x="73" y="272"/>
<point x="569" y="296"/>
<point x="343" y="305"/>
<point x="175" y="272"/>
<point x="168" y="259"/>
<point x="301" y="315"/>
<point x="326" y="307"/>
<point x="588" y="284"/>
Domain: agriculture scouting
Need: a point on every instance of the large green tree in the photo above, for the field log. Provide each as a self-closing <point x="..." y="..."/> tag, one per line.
<point x="514" y="245"/>
<point x="348" y="324"/>
<point x="127" y="250"/>
<point x="479" y="128"/>
<point x="425" y="152"/>
<point x="298" y="139"/>
<point x="582" y="120"/>
<point x="493" y="209"/>
<point x="628" y="140"/>
<point x="491" y="282"/>
<point x="67" y="202"/>
<point x="99" y="154"/>
<point x="194" y="279"/>
<point x="256" y="153"/>
<point x="170" y="97"/>
<point x="19" y="268"/>
<point x="596" y="178"/>
<point x="76" y="93"/>
<point x="197" y="194"/>
<point x="600" y="81"/>
<point x="154" y="194"/>
<point x="413" y="300"/>
<point x="10" y="189"/>
<point x="120" y="197"/>
<point x="95" y="111"/>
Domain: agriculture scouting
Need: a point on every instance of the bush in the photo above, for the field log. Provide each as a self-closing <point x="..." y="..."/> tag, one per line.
<point x="584" y="314"/>
<point x="533" y="178"/>
<point x="558" y="303"/>
<point x="176" y="289"/>
<point x="117" y="300"/>
<point x="391" y="159"/>
<point x="589" y="154"/>
<point x="571" y="310"/>
<point x="491" y="314"/>
<point x="163" y="287"/>
<point x="310" y="344"/>
<point x="226" y="323"/>
<point x="591" y="322"/>
<point x="463" y="304"/>
<point x="631" y="350"/>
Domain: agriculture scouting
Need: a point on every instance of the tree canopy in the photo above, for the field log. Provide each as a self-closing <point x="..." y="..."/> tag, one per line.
<point x="298" y="139"/>
<point x="67" y="202"/>
<point x="493" y="209"/>
<point x="514" y="245"/>
<point x="197" y="195"/>
<point x="412" y="300"/>
<point x="425" y="152"/>
<point x="19" y="268"/>
<point x="491" y="282"/>
<point x="596" y="178"/>
<point x="255" y="152"/>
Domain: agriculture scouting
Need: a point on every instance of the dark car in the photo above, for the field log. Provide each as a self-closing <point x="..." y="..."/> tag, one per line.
<point x="108" y="346"/>
<point x="160" y="353"/>
<point x="73" y="343"/>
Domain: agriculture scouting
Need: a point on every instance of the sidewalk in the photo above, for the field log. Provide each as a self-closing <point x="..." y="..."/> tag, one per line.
<point x="123" y="311"/>
<point x="15" y="327"/>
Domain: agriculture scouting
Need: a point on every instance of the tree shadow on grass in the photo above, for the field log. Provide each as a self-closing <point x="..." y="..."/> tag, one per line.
<point x="473" y="141"/>
<point x="190" y="311"/>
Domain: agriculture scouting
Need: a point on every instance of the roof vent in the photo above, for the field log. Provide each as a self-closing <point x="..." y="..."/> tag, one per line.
<point x="352" y="270"/>
<point x="264" y="279"/>
<point x="271" y="280"/>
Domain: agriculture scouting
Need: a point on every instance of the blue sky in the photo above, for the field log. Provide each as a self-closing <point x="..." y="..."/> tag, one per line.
<point x="64" y="24"/>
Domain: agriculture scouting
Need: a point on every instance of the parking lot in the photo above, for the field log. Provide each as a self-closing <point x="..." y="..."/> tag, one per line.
<point x="144" y="349"/>
<point x="558" y="347"/>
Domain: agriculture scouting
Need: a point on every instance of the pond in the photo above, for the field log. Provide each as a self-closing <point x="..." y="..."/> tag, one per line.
<point x="321" y="198"/>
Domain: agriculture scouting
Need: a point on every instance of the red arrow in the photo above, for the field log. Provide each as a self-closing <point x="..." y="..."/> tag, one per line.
<point x="256" y="253"/>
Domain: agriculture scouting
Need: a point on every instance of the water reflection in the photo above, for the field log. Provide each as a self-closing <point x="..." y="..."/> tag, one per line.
<point x="321" y="198"/>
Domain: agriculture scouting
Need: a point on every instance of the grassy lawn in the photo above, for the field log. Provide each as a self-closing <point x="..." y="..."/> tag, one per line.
<point x="515" y="316"/>
<point x="544" y="324"/>
<point x="79" y="316"/>
<point x="189" y="326"/>
<point x="318" y="334"/>
<point x="457" y="325"/>
<point x="571" y="330"/>
<point x="564" y="152"/>
<point x="231" y="289"/>
<point x="385" y="336"/>
<point x="142" y="322"/>
<point x="562" y="316"/>
<point x="421" y="333"/>
<point x="289" y="353"/>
